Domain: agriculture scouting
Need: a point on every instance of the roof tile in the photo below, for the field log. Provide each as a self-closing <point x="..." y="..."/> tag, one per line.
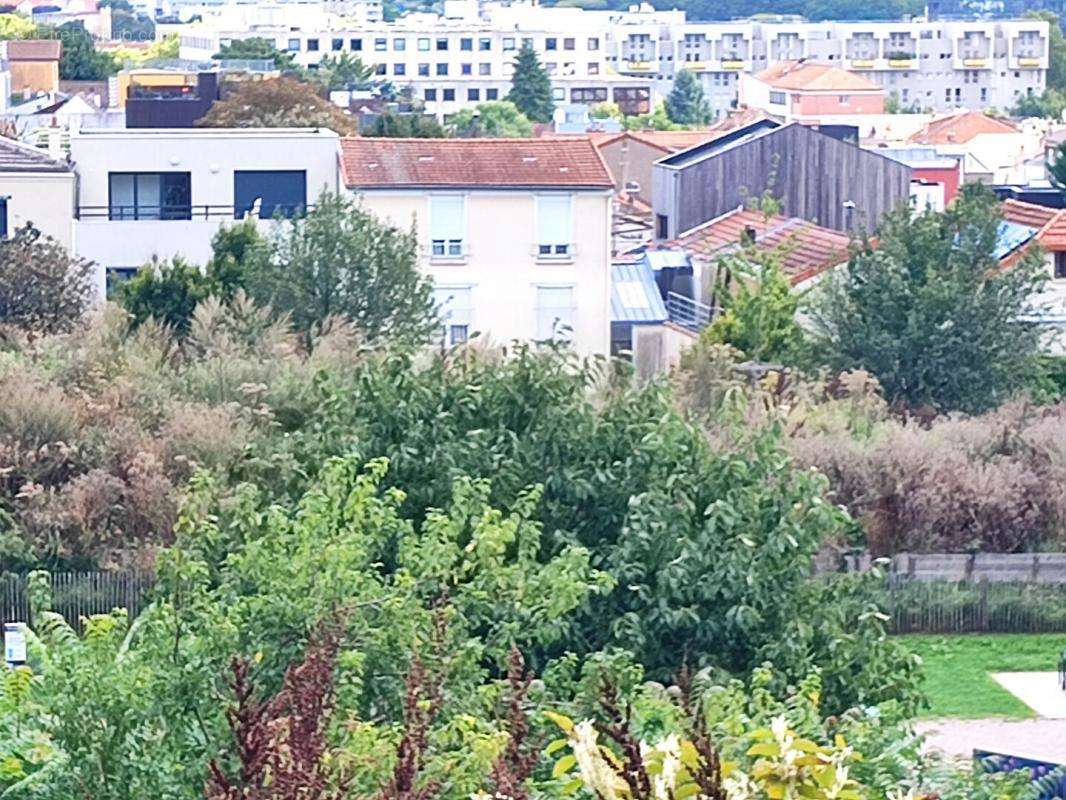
<point x="960" y="128"/>
<point x="34" y="49"/>
<point x="812" y="77"/>
<point x="378" y="163"/>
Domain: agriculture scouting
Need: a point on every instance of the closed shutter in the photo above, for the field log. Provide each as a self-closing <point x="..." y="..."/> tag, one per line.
<point x="554" y="225"/>
<point x="455" y="311"/>
<point x="446" y="218"/>
<point x="555" y="312"/>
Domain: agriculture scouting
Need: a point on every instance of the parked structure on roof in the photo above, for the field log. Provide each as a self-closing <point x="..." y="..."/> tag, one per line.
<point x="805" y="91"/>
<point x="815" y="177"/>
<point x="33" y="64"/>
<point x="514" y="232"/>
<point x="35" y="189"/>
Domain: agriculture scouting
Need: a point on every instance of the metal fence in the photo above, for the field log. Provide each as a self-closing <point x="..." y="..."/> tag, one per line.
<point x="79" y="594"/>
<point x="983" y="606"/>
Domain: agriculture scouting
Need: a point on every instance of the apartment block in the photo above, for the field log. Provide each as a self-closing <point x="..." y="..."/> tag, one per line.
<point x="939" y="65"/>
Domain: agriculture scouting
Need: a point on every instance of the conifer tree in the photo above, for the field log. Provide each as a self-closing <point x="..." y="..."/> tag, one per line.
<point x="686" y="105"/>
<point x="531" y="90"/>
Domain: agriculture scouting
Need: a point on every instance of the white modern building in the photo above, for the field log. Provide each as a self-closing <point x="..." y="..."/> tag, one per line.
<point x="159" y="193"/>
<point x="466" y="55"/>
<point x="36" y="188"/>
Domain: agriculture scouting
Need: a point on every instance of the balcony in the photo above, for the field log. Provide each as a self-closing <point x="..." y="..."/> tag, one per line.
<point x="694" y="66"/>
<point x="688" y="313"/>
<point x="1030" y="62"/>
<point x="974" y="63"/>
<point x="639" y="66"/>
<point x="732" y="64"/>
<point x="863" y="63"/>
<point x="901" y="59"/>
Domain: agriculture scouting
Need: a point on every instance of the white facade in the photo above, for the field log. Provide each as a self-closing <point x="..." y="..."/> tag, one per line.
<point x="482" y="248"/>
<point x="159" y="193"/>
<point x="43" y="199"/>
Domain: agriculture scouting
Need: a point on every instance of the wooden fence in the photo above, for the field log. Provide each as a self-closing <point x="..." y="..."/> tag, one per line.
<point x="79" y="594"/>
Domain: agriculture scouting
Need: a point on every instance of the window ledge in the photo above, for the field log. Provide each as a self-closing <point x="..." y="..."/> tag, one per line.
<point x="567" y="259"/>
<point x="446" y="261"/>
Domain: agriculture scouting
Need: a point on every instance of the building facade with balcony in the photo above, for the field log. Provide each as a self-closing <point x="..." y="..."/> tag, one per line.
<point x="163" y="193"/>
<point x="515" y="233"/>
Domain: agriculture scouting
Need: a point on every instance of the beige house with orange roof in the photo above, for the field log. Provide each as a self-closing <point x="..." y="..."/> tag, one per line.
<point x="805" y="91"/>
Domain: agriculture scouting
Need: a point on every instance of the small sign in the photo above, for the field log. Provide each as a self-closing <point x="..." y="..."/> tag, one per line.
<point x="14" y="643"/>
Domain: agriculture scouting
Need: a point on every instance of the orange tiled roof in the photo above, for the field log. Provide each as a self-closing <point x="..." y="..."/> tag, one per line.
<point x="1050" y="223"/>
<point x="378" y="163"/>
<point x="812" y="77"/>
<point x="34" y="49"/>
<point x="961" y="128"/>
<point x="806" y="248"/>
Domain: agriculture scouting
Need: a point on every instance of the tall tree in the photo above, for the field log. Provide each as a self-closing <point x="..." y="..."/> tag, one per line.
<point x="1056" y="168"/>
<point x="931" y="313"/>
<point x="499" y="118"/>
<point x="80" y="60"/>
<point x="686" y="104"/>
<point x="43" y="288"/>
<point x="277" y="103"/>
<point x="408" y="126"/>
<point x="341" y="72"/>
<point x="1056" y="72"/>
<point x="340" y="260"/>
<point x="531" y="89"/>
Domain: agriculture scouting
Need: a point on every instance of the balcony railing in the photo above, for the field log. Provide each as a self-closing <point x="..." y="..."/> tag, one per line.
<point x="688" y="313"/>
<point x="170" y="213"/>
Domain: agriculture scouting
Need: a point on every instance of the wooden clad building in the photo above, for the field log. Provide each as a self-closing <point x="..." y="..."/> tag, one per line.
<point x="816" y="177"/>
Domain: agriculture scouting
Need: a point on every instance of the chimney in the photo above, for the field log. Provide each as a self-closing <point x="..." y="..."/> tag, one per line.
<point x="747" y="236"/>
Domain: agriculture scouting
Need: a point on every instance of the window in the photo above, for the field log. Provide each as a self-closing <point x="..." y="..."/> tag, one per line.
<point x="3" y="217"/>
<point x="492" y="94"/>
<point x="550" y="67"/>
<point x="778" y="98"/>
<point x="844" y="99"/>
<point x="275" y="191"/>
<point x="449" y="95"/>
<point x="527" y="42"/>
<point x="423" y="70"/>
<point x="423" y="44"/>
<point x="466" y="69"/>
<point x="568" y="44"/>
<point x="589" y="96"/>
<point x="662" y="226"/>
<point x="508" y="43"/>
<point x="442" y="69"/>
<point x="294" y="45"/>
<point x="594" y="68"/>
<point x="484" y="44"/>
<point x="484" y="69"/>
<point x="337" y="44"/>
<point x="312" y="45"/>
<point x="379" y="69"/>
<point x="555" y="312"/>
<point x="149" y="195"/>
<point x="114" y="277"/>
<point x="1060" y="265"/>
<point x="442" y="44"/>
<point x="455" y="310"/>
<point x="558" y="94"/>
<point x="399" y="44"/>
<point x="550" y="43"/>
<point x="381" y="45"/>
<point x="466" y="44"/>
<point x="594" y="43"/>
<point x="473" y="94"/>
<point x="356" y="44"/>
<point x="431" y="95"/>
<point x="447" y="222"/>
<point x="554" y="226"/>
<point x="399" y="69"/>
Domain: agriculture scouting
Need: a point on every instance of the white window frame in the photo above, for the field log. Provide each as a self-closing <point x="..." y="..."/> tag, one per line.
<point x="448" y="248"/>
<point x="456" y="324"/>
<point x="551" y="250"/>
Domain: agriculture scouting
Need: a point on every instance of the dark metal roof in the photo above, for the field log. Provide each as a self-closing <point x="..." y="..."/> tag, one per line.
<point x="700" y="151"/>
<point x="18" y="157"/>
<point x="635" y="296"/>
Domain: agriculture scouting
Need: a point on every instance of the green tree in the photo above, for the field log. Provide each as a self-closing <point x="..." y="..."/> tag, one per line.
<point x="1048" y="105"/>
<point x="16" y="26"/>
<point x="255" y="48"/>
<point x="407" y="126"/>
<point x="758" y="308"/>
<point x="166" y="291"/>
<point x="656" y="120"/>
<point x="277" y="103"/>
<point x="340" y="261"/>
<point x="499" y="118"/>
<point x="931" y="313"/>
<point x="531" y="88"/>
<point x="686" y="104"/>
<point x="43" y="288"/>
<point x="1056" y="73"/>
<point x="342" y="71"/>
<point x="80" y="60"/>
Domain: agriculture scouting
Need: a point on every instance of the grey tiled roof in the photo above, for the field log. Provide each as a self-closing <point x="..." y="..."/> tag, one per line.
<point x="18" y="157"/>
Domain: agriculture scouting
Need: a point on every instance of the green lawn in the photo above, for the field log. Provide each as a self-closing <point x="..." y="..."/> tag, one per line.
<point x="957" y="667"/>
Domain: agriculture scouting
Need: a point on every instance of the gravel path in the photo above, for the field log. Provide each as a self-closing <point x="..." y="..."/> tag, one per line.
<point x="1041" y="691"/>
<point x="1040" y="739"/>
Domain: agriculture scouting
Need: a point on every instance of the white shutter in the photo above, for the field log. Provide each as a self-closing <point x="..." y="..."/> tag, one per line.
<point x="555" y="312"/>
<point x="446" y="219"/>
<point x="455" y="310"/>
<point x="554" y="220"/>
